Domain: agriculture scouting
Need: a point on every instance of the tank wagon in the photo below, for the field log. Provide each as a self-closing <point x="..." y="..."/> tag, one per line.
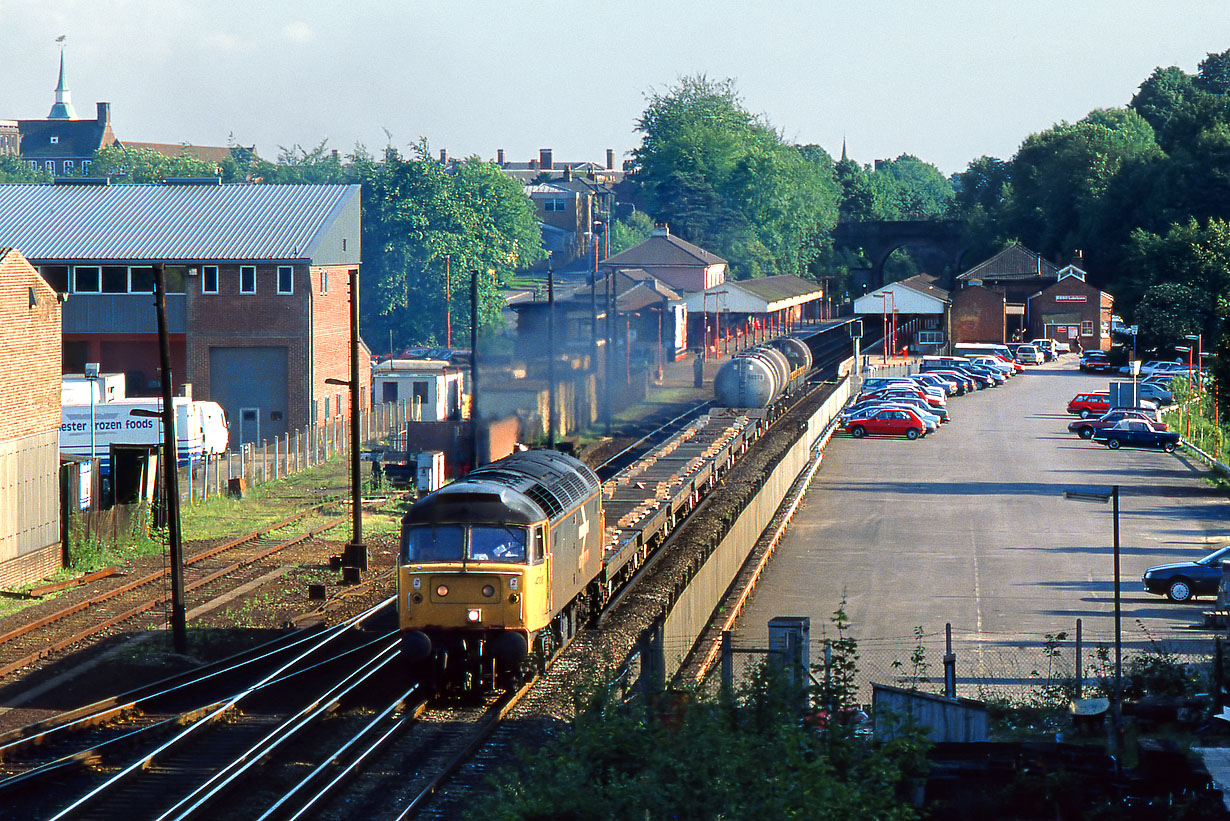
<point x="759" y="376"/>
<point x="500" y="568"/>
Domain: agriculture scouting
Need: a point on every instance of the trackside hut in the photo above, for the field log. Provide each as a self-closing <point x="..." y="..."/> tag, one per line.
<point x="917" y="307"/>
<point x="257" y="304"/>
<point x="30" y="546"/>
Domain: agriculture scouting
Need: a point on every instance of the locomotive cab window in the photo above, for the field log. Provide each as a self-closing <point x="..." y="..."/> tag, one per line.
<point x="496" y="543"/>
<point x="539" y="550"/>
<point x="423" y="544"/>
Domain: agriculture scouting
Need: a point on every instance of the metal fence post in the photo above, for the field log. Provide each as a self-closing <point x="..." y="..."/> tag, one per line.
<point x="1080" y="661"/>
<point x="653" y="663"/>
<point x="950" y="664"/>
<point x="728" y="661"/>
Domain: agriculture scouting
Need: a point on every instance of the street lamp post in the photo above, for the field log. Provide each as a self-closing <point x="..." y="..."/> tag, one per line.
<point x="884" y="299"/>
<point x="1187" y="402"/>
<point x="1101" y="495"/>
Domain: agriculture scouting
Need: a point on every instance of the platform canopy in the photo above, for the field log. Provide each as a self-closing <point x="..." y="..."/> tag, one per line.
<point x="915" y="296"/>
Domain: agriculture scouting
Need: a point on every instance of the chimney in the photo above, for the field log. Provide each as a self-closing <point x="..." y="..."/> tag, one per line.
<point x="545" y="160"/>
<point x="567" y="172"/>
<point x="661" y="229"/>
<point x="443" y="156"/>
<point x="1078" y="259"/>
<point x="104" y="113"/>
<point x="499" y="157"/>
<point x="335" y="155"/>
<point x="610" y="159"/>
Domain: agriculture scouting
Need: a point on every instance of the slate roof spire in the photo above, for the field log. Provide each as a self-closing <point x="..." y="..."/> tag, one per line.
<point x="63" y="108"/>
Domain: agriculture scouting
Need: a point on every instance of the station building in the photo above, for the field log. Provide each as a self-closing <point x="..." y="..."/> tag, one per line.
<point x="257" y="280"/>
<point x="30" y="528"/>
<point x="1072" y="311"/>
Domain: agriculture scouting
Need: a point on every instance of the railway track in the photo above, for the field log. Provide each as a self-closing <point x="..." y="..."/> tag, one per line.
<point x="137" y="603"/>
<point x="189" y="744"/>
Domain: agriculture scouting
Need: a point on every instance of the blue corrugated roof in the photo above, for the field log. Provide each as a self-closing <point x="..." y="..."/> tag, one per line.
<point x="179" y="222"/>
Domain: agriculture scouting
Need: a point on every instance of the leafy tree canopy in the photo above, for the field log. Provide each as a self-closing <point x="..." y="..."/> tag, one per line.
<point x="724" y="179"/>
<point x="145" y="165"/>
<point x="15" y="169"/>
<point x="909" y="189"/>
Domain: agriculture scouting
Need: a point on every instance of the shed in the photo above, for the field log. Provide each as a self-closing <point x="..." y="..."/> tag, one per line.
<point x="941" y="718"/>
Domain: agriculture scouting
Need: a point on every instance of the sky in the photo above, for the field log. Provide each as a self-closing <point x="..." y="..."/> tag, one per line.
<point x="945" y="81"/>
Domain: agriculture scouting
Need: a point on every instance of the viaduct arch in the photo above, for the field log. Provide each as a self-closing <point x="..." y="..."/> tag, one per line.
<point x="937" y="245"/>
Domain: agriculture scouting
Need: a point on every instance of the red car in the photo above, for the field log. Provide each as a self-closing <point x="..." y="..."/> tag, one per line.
<point x="1086" y="405"/>
<point x="887" y="422"/>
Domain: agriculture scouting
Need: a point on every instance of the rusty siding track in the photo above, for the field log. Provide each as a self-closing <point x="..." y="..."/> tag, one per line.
<point x="151" y="603"/>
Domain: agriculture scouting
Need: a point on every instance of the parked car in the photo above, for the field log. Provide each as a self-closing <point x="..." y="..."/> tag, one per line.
<point x="994" y="364"/>
<point x="1182" y="581"/>
<point x="1084" y="428"/>
<point x="1061" y="347"/>
<point x="1132" y="433"/>
<point x="1147" y="368"/>
<point x="947" y="384"/>
<point x="1029" y="355"/>
<point x="1088" y="405"/>
<point x="1047" y="347"/>
<point x="1154" y="392"/>
<point x="887" y="422"/>
<point x="868" y="406"/>
<point x="1095" y="362"/>
<point x="895" y="391"/>
<point x="965" y="383"/>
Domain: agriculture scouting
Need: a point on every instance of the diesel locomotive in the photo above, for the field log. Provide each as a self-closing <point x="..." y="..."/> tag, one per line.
<point x="498" y="569"/>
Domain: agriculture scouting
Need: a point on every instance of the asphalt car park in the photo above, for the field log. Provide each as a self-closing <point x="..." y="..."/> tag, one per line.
<point x="970" y="527"/>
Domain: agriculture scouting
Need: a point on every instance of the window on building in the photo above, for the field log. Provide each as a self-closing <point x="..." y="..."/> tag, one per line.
<point x="33" y="164"/>
<point x="209" y="279"/>
<point x="114" y="279"/>
<point x="337" y="403"/>
<point x="553" y="206"/>
<point x="55" y="140"/>
<point x="68" y="164"/>
<point x="1087" y="328"/>
<point x="286" y="279"/>
<point x="50" y="165"/>
<point x="327" y="416"/>
<point x="388" y="392"/>
<point x="324" y="280"/>
<point x="247" y="279"/>
<point x="56" y="276"/>
<point x="86" y="280"/>
<point x="141" y="279"/>
<point x="85" y="166"/>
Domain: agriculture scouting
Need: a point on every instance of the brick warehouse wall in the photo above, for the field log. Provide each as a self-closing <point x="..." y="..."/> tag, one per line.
<point x="234" y="320"/>
<point x="977" y="315"/>
<point x="29" y="421"/>
<point x="331" y="339"/>
<point x="312" y="323"/>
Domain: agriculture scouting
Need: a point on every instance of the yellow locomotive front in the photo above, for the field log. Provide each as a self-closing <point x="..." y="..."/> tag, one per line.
<point x="478" y="589"/>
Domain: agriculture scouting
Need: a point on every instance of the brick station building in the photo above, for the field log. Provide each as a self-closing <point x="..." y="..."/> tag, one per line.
<point x="258" y="307"/>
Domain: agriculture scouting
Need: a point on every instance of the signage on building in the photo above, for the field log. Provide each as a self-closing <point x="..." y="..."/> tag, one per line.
<point x="1070" y="298"/>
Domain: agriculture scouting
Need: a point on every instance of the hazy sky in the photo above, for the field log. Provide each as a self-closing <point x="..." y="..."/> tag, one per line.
<point x="947" y="81"/>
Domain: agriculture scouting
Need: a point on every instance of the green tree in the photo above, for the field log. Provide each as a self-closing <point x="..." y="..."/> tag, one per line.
<point x="632" y="231"/>
<point x="725" y="180"/>
<point x="145" y="165"/>
<point x="15" y="169"/>
<point x="909" y="189"/>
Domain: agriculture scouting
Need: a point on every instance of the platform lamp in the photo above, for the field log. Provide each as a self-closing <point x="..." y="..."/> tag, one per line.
<point x="355" y="556"/>
<point x="1187" y="405"/>
<point x="1199" y="354"/>
<point x="1101" y="495"/>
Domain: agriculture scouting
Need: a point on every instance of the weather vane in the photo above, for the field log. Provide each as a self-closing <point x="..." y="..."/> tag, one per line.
<point x="61" y="39"/>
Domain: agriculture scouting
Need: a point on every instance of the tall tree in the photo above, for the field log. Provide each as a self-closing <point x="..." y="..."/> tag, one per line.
<point x="724" y="179"/>
<point x="145" y="165"/>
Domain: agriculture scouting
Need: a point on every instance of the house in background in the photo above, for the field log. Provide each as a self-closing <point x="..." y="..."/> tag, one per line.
<point x="257" y="280"/>
<point x="61" y="143"/>
<point x="913" y="312"/>
<point x="30" y="535"/>
<point x="680" y="265"/>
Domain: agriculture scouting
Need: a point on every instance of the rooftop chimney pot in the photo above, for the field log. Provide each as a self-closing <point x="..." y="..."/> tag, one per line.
<point x="545" y="159"/>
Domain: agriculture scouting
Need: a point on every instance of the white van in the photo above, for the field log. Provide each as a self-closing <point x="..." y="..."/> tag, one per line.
<point x="971" y="349"/>
<point x="200" y="428"/>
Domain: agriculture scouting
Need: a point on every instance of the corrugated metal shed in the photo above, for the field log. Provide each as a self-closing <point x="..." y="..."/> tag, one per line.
<point x="181" y="223"/>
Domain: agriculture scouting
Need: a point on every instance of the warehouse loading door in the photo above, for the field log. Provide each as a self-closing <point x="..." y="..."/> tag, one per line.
<point x="251" y="386"/>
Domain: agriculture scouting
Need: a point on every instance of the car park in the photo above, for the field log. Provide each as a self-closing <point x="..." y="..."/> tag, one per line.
<point x="867" y="406"/>
<point x="1182" y="581"/>
<point x="964" y="381"/>
<point x="996" y="377"/>
<point x="894" y="391"/>
<point x="1084" y="428"/>
<point x="948" y="384"/>
<point x="1133" y="433"/>
<point x="1095" y="362"/>
<point x="887" y="422"/>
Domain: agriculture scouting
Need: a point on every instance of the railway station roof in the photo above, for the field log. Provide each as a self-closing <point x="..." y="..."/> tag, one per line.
<point x="186" y="221"/>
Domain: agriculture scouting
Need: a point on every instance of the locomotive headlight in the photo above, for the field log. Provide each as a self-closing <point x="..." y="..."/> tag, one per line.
<point x="442" y="590"/>
<point x="418" y="598"/>
<point x="474" y="615"/>
<point x="488" y="590"/>
<point x="513" y="598"/>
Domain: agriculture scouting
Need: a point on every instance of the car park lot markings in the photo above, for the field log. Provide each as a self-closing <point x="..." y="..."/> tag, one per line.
<point x="968" y="526"/>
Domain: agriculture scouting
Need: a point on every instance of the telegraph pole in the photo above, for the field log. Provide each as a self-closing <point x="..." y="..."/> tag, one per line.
<point x="170" y="468"/>
<point x="550" y="353"/>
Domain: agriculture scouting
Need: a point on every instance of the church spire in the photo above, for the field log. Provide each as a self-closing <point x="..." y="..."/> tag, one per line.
<point x="843" y="148"/>
<point x="63" y="108"/>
